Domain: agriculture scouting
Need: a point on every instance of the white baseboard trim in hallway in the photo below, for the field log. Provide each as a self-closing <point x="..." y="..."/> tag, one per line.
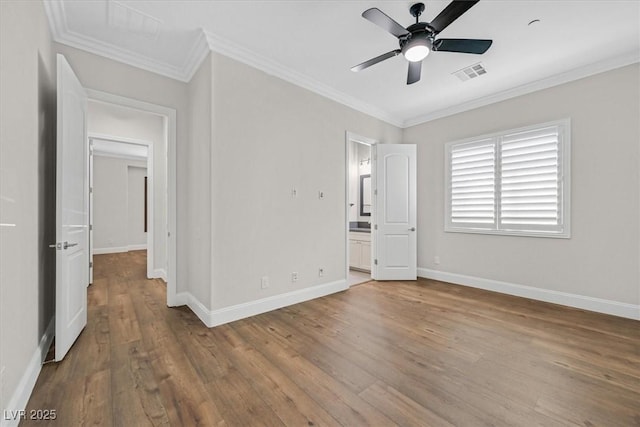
<point x="599" y="305"/>
<point x="119" y="249"/>
<point x="221" y="316"/>
<point x="11" y="416"/>
<point x="160" y="273"/>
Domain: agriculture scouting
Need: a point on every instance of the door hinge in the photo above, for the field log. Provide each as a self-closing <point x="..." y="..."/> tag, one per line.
<point x="375" y="192"/>
<point x="90" y="227"/>
<point x="90" y="189"/>
<point x="90" y="264"/>
<point x="375" y="226"/>
<point x="375" y="262"/>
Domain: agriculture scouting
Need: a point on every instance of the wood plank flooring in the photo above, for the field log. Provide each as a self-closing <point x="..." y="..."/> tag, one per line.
<point x="420" y="353"/>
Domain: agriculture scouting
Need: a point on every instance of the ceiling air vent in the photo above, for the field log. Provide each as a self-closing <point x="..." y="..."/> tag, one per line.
<point x="123" y="17"/>
<point x="470" y="72"/>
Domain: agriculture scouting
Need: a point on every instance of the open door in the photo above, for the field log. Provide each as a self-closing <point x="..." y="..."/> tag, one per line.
<point x="395" y="248"/>
<point x="72" y="210"/>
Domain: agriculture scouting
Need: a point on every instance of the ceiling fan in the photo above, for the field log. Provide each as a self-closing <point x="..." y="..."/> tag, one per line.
<point x="418" y="39"/>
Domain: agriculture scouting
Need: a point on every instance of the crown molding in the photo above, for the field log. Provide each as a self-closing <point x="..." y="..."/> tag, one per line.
<point x="63" y="35"/>
<point x="555" y="80"/>
<point x="207" y="42"/>
<point x="230" y="49"/>
<point x="197" y="54"/>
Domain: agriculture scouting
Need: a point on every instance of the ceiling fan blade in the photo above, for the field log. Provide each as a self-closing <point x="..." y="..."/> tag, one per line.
<point x="450" y="13"/>
<point x="373" y="61"/>
<point x="462" y="45"/>
<point x="415" y="68"/>
<point x="379" y="18"/>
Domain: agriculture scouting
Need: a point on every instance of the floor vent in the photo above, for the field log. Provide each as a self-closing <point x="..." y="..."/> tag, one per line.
<point x="470" y="72"/>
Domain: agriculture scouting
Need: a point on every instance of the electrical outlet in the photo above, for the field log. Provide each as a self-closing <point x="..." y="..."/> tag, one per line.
<point x="294" y="192"/>
<point x="320" y="272"/>
<point x="436" y="260"/>
<point x="264" y="283"/>
<point x="320" y="195"/>
<point x="294" y="276"/>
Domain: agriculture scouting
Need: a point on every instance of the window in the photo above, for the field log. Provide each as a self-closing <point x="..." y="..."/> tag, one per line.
<point x="514" y="182"/>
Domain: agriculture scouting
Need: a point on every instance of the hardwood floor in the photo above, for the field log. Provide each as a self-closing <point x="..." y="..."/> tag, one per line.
<point x="408" y="353"/>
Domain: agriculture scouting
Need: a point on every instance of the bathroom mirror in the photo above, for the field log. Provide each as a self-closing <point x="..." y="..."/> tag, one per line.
<point x="365" y="195"/>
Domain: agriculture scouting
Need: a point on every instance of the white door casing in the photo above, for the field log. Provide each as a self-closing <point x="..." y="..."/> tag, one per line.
<point x="90" y="246"/>
<point x="395" y="247"/>
<point x="72" y="209"/>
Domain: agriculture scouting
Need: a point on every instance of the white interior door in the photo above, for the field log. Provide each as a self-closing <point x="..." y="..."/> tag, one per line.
<point x="395" y="250"/>
<point x="72" y="210"/>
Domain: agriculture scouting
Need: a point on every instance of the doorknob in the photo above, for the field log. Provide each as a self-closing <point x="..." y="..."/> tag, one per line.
<point x="412" y="229"/>
<point x="64" y="245"/>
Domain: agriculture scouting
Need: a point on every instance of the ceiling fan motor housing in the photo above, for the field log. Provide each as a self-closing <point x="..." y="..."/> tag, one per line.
<point x="420" y="30"/>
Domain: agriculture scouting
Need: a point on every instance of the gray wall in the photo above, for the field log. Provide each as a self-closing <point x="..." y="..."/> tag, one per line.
<point x="601" y="259"/>
<point x="270" y="136"/>
<point x="27" y="188"/>
<point x="199" y="188"/>
<point x="135" y="206"/>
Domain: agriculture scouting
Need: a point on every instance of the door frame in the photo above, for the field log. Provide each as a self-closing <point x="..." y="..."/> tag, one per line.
<point x="151" y="274"/>
<point x="349" y="138"/>
<point x="171" y="135"/>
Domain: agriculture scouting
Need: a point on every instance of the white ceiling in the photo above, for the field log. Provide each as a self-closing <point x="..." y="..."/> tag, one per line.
<point x="314" y="44"/>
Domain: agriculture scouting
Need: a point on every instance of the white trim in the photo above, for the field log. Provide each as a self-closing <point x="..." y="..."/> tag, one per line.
<point x="119" y="249"/>
<point x="22" y="393"/>
<point x="221" y="316"/>
<point x="204" y="43"/>
<point x="198" y="53"/>
<point x="140" y="247"/>
<point x="171" y="134"/>
<point x="61" y="33"/>
<point x="120" y="156"/>
<point x="354" y="137"/>
<point x="615" y="308"/>
<point x="555" y="80"/>
<point x="207" y="42"/>
<point x="159" y="273"/>
<point x="182" y="299"/>
<point x="112" y="250"/>
<point x="232" y="50"/>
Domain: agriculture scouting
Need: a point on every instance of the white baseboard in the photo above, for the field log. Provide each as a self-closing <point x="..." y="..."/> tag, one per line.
<point x="221" y="316"/>
<point x="159" y="273"/>
<point x="182" y="298"/>
<point x="21" y="395"/>
<point x="119" y="249"/>
<point x="599" y="305"/>
<point x="114" y="250"/>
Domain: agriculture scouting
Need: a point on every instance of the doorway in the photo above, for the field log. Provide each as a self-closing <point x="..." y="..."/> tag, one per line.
<point x="360" y="208"/>
<point x="165" y="186"/>
<point x="122" y="199"/>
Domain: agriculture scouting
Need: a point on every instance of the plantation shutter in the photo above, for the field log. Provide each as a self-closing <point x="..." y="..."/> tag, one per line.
<point x="472" y="185"/>
<point x="531" y="180"/>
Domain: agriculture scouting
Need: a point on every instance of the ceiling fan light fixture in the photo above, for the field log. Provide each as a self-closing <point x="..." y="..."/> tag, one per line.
<point x="416" y="49"/>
